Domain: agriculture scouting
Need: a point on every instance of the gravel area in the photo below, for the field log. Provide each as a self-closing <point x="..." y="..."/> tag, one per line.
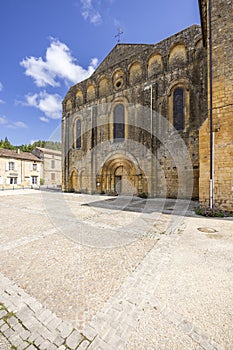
<point x="71" y="279"/>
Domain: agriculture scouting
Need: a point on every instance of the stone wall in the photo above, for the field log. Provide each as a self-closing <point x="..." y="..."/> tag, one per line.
<point x="222" y="69"/>
<point x="125" y="77"/>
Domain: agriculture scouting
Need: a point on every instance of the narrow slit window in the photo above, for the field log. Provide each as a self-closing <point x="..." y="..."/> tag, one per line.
<point x="119" y="123"/>
<point x="78" y="134"/>
<point x="178" y="108"/>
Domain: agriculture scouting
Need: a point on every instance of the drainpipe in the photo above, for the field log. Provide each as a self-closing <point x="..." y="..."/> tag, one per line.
<point x="211" y="106"/>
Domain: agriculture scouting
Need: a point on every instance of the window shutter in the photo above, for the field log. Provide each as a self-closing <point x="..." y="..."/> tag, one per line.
<point x="8" y="181"/>
<point x="7" y="166"/>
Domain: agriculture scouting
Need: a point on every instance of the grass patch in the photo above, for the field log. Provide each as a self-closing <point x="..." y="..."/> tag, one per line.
<point x="212" y="212"/>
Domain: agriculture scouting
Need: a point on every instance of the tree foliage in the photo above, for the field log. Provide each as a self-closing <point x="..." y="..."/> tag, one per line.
<point x="54" y="145"/>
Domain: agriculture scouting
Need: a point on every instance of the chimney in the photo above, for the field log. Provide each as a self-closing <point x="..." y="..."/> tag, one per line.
<point x="18" y="151"/>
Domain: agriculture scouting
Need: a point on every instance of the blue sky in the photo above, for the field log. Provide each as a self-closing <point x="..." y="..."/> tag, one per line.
<point x="49" y="45"/>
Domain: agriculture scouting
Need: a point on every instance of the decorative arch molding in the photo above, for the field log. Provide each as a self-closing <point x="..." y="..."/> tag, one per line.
<point x="91" y="92"/>
<point x="117" y="155"/>
<point x="183" y="84"/>
<point x="68" y="105"/>
<point x="119" y="79"/>
<point x="74" y="181"/>
<point x="135" y="72"/>
<point x="104" y="86"/>
<point x="77" y="132"/>
<point x="119" y="101"/>
<point x="178" y="55"/>
<point x="121" y="173"/>
<point x="79" y="98"/>
<point x="154" y="64"/>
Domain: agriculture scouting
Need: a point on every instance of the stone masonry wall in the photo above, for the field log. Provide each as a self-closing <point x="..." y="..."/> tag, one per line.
<point x="222" y="29"/>
<point x="123" y="77"/>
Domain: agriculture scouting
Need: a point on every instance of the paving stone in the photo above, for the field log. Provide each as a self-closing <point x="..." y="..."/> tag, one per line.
<point x="54" y="323"/>
<point x="45" y="345"/>
<point x="31" y="347"/>
<point x="43" y="315"/>
<point x="58" y="341"/>
<point x="39" y="340"/>
<point x="62" y="347"/>
<point x="74" y="339"/>
<point x="84" y="345"/>
<point x="4" y="327"/>
<point x="18" y="328"/>
<point x="2" y="313"/>
<point x="9" y="332"/>
<point x="65" y="329"/>
<point x="89" y="332"/>
<point x="33" y="336"/>
<point x="13" y="321"/>
<point x="31" y="322"/>
<point x="24" y="334"/>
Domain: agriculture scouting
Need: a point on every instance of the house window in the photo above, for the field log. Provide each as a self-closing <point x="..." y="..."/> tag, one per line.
<point x="178" y="108"/>
<point x="119" y="123"/>
<point x="11" y="165"/>
<point x="34" y="180"/>
<point x="13" y="180"/>
<point x="53" y="164"/>
<point x="78" y="134"/>
<point x="34" y="166"/>
<point x="53" y="176"/>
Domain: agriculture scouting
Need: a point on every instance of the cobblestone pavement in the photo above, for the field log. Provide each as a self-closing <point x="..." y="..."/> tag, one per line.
<point x="93" y="272"/>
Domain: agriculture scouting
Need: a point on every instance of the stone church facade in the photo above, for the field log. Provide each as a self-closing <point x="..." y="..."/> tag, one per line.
<point x="136" y="125"/>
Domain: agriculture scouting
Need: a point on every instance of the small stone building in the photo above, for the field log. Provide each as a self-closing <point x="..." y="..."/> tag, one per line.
<point x="50" y="166"/>
<point x="18" y="169"/>
<point x="157" y="119"/>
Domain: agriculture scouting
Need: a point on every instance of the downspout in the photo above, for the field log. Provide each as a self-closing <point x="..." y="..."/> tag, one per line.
<point x="211" y="106"/>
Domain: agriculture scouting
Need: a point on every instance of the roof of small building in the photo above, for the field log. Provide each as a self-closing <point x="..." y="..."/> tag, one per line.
<point x="49" y="151"/>
<point x="17" y="154"/>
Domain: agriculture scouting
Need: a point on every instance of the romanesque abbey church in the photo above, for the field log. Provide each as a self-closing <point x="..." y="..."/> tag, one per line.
<point x="156" y="120"/>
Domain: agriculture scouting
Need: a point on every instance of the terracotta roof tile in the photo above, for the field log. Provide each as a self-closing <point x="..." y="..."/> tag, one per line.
<point x="8" y="153"/>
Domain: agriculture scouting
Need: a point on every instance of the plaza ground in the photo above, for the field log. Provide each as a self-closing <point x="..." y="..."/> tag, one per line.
<point x="98" y="272"/>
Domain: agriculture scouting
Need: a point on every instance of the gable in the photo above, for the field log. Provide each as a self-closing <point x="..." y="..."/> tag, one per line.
<point x="119" y="53"/>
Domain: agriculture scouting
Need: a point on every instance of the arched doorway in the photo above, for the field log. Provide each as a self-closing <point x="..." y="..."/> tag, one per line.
<point x="122" y="176"/>
<point x="74" y="180"/>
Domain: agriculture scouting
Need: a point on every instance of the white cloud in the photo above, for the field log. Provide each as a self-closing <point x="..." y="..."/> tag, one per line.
<point x="3" y="120"/>
<point x="58" y="64"/>
<point x="49" y="104"/>
<point x="1" y="88"/>
<point x="44" y="119"/>
<point x="16" y="125"/>
<point x="12" y="125"/>
<point x="90" y="13"/>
